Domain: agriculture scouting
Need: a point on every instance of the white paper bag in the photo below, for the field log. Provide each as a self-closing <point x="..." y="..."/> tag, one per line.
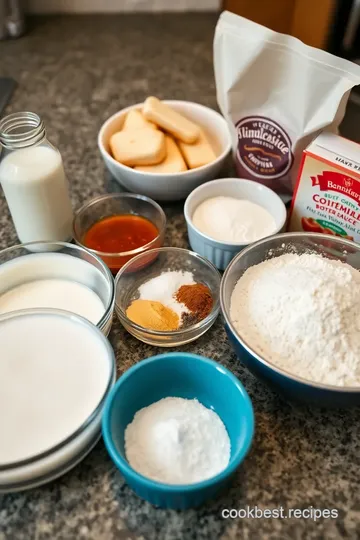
<point x="277" y="94"/>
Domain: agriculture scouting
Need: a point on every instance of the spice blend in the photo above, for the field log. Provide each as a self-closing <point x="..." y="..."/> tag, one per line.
<point x="170" y="301"/>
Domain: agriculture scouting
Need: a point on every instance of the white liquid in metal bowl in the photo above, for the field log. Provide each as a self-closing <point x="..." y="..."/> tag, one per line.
<point x="54" y="371"/>
<point x="54" y="293"/>
<point x="53" y="280"/>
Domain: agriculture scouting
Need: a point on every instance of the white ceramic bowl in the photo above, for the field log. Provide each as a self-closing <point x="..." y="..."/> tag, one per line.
<point x="175" y="186"/>
<point x="221" y="253"/>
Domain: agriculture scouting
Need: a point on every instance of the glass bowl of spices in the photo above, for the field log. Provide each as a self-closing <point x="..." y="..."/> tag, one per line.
<point x="168" y="296"/>
<point x="119" y="226"/>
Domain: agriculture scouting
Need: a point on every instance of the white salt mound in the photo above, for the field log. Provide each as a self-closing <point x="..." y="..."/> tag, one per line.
<point x="177" y="441"/>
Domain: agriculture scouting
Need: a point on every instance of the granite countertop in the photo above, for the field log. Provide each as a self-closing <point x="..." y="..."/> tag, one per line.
<point x="75" y="72"/>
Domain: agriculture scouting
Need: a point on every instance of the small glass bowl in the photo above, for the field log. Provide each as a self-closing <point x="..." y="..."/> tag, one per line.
<point x="115" y="204"/>
<point x="19" y="264"/>
<point x="150" y="265"/>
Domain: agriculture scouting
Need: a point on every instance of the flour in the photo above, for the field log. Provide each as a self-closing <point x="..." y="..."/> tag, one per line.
<point x="233" y="220"/>
<point x="302" y="313"/>
<point x="177" y="441"/>
<point x="163" y="288"/>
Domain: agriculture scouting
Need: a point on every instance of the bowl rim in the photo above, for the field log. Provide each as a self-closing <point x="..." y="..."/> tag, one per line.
<point x="109" y="196"/>
<point x="154" y="175"/>
<point x="247" y="347"/>
<point x="108" y="308"/>
<point x="232" y="180"/>
<point x="97" y="409"/>
<point x="169" y="333"/>
<point x="122" y="463"/>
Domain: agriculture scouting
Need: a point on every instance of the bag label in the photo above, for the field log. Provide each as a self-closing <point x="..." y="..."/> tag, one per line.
<point x="264" y="148"/>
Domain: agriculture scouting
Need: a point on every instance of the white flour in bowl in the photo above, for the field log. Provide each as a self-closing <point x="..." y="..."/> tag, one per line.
<point x="302" y="313"/>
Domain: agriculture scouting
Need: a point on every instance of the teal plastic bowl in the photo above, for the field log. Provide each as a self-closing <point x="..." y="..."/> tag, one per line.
<point x="178" y="375"/>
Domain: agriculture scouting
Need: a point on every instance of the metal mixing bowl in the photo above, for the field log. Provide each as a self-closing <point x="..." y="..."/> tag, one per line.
<point x="287" y="384"/>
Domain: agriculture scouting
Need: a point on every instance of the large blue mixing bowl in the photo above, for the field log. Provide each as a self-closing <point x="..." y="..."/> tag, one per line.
<point x="290" y="386"/>
<point x="178" y="375"/>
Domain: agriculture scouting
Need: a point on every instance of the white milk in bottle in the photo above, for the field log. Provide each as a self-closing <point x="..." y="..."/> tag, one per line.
<point x="33" y="179"/>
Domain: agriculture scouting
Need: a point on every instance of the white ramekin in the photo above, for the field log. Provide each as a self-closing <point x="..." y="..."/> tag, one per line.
<point x="221" y="253"/>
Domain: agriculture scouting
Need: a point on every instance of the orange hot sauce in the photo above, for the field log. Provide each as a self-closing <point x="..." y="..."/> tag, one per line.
<point x="118" y="234"/>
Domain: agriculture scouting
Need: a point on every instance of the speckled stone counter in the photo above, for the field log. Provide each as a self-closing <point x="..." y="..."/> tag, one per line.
<point x="75" y="72"/>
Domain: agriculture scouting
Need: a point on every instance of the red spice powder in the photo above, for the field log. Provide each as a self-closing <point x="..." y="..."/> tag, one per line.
<point x="197" y="298"/>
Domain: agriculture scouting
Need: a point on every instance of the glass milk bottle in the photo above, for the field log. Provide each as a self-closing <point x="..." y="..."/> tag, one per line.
<point x="33" y="179"/>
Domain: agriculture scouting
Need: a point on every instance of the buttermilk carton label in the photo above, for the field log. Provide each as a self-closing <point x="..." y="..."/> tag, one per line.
<point x="327" y="193"/>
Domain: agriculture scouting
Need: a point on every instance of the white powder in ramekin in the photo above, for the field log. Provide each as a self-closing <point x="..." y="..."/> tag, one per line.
<point x="228" y="219"/>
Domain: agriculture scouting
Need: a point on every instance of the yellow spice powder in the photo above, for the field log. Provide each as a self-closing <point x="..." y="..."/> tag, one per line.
<point x="153" y="315"/>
